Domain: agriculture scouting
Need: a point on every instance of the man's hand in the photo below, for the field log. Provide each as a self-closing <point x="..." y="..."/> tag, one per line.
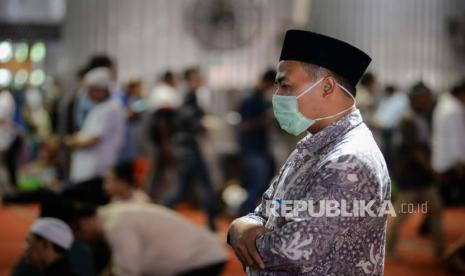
<point x="242" y="235"/>
<point x="74" y="141"/>
<point x="69" y="141"/>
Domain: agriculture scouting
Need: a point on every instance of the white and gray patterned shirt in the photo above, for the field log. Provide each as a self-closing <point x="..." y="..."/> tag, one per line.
<point x="341" y="162"/>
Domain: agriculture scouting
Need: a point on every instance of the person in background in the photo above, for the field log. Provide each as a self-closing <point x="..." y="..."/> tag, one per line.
<point x="161" y="105"/>
<point x="84" y="104"/>
<point x="55" y="205"/>
<point x="134" y="104"/>
<point x="448" y="152"/>
<point x="391" y="109"/>
<point x="47" y="245"/>
<point x="367" y="98"/>
<point x="9" y="136"/>
<point x="52" y="97"/>
<point x="148" y="239"/>
<point x="192" y="167"/>
<point x="37" y="121"/>
<point x="165" y="93"/>
<point x="74" y="107"/>
<point x="413" y="171"/>
<point x="120" y="184"/>
<point x="97" y="145"/>
<point x="67" y="123"/>
<point x="44" y="170"/>
<point x="454" y="259"/>
<point x="254" y="140"/>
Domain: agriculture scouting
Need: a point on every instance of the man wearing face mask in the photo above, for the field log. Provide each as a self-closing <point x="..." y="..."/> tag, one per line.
<point x="337" y="162"/>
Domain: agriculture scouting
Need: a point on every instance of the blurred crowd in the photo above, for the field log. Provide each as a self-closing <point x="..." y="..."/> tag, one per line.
<point x="82" y="155"/>
<point x="421" y="134"/>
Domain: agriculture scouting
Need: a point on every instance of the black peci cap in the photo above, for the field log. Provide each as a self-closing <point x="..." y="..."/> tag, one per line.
<point x="338" y="56"/>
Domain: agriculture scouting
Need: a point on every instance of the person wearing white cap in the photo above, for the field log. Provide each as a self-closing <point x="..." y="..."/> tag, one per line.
<point x="47" y="245"/>
<point x="97" y="145"/>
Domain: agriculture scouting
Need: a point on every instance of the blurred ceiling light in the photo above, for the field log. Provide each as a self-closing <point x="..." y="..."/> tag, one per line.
<point x="6" y="51"/>
<point x="5" y="77"/>
<point x="38" y="52"/>
<point x="21" y="52"/>
<point x="20" y="78"/>
<point x="234" y="195"/>
<point x="37" y="77"/>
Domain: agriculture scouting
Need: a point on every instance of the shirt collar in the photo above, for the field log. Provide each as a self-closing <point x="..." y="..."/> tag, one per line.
<point x="314" y="142"/>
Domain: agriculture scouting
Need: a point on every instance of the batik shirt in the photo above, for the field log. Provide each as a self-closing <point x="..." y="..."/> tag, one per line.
<point x="340" y="163"/>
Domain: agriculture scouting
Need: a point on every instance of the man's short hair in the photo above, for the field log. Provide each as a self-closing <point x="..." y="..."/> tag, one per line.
<point x="458" y="89"/>
<point x="315" y="72"/>
<point x="83" y="210"/>
<point x="269" y="76"/>
<point x="390" y="89"/>
<point x="168" y="76"/>
<point x="125" y="172"/>
<point x="367" y="79"/>
<point x="189" y="72"/>
<point x="100" y="60"/>
<point x="419" y="88"/>
<point x="96" y="61"/>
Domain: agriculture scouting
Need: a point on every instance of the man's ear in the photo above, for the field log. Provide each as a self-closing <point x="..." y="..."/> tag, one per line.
<point x="328" y="86"/>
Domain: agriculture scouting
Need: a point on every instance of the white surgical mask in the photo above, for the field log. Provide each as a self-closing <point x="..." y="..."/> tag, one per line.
<point x="286" y="110"/>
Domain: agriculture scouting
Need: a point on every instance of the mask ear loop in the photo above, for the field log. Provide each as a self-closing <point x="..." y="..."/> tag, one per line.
<point x="347" y="91"/>
<point x="309" y="88"/>
<point x="343" y="111"/>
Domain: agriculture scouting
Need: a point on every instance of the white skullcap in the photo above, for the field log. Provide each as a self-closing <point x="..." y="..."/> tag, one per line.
<point x="99" y="77"/>
<point x="53" y="230"/>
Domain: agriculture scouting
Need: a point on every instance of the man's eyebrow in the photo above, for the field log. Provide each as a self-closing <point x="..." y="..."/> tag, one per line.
<point x="280" y="79"/>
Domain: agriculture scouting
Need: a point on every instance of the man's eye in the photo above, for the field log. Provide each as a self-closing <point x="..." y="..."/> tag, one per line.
<point x="286" y="90"/>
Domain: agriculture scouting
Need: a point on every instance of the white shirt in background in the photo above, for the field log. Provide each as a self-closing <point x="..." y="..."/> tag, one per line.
<point x="148" y="239"/>
<point x="163" y="95"/>
<point x="7" y="111"/>
<point x="366" y="103"/>
<point x="391" y="110"/>
<point x="448" y="133"/>
<point x="106" y="121"/>
<point x="137" y="195"/>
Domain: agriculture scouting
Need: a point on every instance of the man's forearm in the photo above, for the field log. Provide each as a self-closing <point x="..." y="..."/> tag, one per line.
<point x="242" y="236"/>
<point x="241" y="224"/>
<point x="78" y="142"/>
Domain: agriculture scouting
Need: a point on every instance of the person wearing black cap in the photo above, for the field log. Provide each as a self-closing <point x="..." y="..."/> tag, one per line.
<point x="312" y="218"/>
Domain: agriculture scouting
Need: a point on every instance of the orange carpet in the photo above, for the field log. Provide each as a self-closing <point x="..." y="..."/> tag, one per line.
<point x="416" y="252"/>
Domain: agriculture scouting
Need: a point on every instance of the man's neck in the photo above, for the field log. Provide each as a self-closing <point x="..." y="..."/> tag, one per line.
<point x="320" y="125"/>
<point x="127" y="194"/>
